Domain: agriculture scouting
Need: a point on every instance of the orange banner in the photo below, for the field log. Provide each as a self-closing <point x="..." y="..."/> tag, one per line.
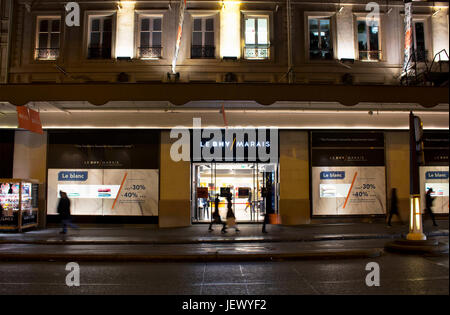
<point x="29" y="119"/>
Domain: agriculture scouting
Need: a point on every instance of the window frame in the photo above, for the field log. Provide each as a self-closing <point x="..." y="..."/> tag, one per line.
<point x="38" y="19"/>
<point x="333" y="41"/>
<point x="203" y="31"/>
<point x="89" y="15"/>
<point x="138" y="30"/>
<point x="257" y="15"/>
<point x="194" y="14"/>
<point x="362" y="17"/>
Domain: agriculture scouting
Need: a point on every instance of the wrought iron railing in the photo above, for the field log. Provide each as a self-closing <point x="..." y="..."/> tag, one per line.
<point x="256" y="51"/>
<point x="367" y="55"/>
<point x="99" y="52"/>
<point x="203" y="52"/>
<point x="47" y="53"/>
<point x="321" y="54"/>
<point x="150" y="52"/>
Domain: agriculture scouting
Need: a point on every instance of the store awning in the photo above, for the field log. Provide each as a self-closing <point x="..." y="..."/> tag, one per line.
<point x="262" y="93"/>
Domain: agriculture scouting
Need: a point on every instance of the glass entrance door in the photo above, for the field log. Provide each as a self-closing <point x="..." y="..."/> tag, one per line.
<point x="253" y="187"/>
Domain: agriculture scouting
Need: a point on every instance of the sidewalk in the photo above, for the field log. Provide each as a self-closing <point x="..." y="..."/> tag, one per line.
<point x="195" y="243"/>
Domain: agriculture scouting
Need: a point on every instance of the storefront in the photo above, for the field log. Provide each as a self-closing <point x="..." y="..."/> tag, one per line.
<point x="434" y="173"/>
<point x="348" y="173"/>
<point x="109" y="175"/>
<point x="240" y="162"/>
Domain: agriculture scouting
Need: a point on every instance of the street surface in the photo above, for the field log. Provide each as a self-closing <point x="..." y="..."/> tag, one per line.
<point x="399" y="274"/>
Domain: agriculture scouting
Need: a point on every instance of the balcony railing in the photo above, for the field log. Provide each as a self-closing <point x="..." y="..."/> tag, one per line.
<point x="150" y="52"/>
<point x="321" y="54"/>
<point x="370" y="55"/>
<point x="99" y="53"/>
<point x="198" y="52"/>
<point x="256" y="51"/>
<point x="47" y="53"/>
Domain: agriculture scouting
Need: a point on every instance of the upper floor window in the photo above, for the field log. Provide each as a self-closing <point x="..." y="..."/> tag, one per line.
<point x="256" y="38"/>
<point x="100" y="37"/>
<point x="48" y="37"/>
<point x="320" y="44"/>
<point x="203" y="38"/>
<point x="150" y="37"/>
<point x="419" y="41"/>
<point x="369" y="46"/>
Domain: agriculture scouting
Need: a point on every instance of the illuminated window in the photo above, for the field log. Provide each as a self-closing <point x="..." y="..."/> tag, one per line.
<point x="320" y="45"/>
<point x="150" y="37"/>
<point x="100" y="37"/>
<point x="369" y="40"/>
<point x="48" y="37"/>
<point x="256" y="38"/>
<point x="203" y="38"/>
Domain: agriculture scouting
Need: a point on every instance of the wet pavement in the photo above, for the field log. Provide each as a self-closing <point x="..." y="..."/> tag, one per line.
<point x="399" y="274"/>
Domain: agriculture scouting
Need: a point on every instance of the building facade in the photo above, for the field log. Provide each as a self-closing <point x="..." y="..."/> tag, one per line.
<point x="315" y="85"/>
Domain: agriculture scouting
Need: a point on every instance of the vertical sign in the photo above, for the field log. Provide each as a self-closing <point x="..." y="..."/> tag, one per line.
<point x="180" y="31"/>
<point x="408" y="36"/>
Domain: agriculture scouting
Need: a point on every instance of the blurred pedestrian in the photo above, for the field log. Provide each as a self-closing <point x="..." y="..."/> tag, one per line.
<point x="393" y="209"/>
<point x="64" y="212"/>
<point x="231" y="218"/>
<point x="216" y="219"/>
<point x="429" y="204"/>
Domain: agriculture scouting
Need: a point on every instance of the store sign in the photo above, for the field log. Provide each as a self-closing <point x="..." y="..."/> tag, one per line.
<point x="124" y="192"/>
<point x="72" y="176"/>
<point x="29" y="119"/>
<point x="332" y="175"/>
<point x="361" y="192"/>
<point x="436" y="178"/>
<point x="436" y="175"/>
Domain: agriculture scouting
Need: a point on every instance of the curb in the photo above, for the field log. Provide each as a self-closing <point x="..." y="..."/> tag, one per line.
<point x="216" y="257"/>
<point x="219" y="240"/>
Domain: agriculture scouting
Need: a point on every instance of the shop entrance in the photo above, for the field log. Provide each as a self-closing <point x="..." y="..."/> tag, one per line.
<point x="253" y="186"/>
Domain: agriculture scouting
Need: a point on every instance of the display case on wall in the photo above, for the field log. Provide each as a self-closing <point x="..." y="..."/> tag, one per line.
<point x="19" y="204"/>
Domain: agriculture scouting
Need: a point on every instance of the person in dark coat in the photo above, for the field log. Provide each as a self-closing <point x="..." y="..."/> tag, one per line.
<point x="230" y="213"/>
<point x="216" y="219"/>
<point x="1" y="210"/>
<point x="64" y="212"/>
<point x="429" y="204"/>
<point x="394" y="206"/>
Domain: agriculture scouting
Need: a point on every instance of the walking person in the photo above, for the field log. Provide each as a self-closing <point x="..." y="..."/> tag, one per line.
<point x="231" y="218"/>
<point x="216" y="219"/>
<point x="267" y="195"/>
<point x="429" y="204"/>
<point x="249" y="202"/>
<point x="64" y="212"/>
<point x="394" y="206"/>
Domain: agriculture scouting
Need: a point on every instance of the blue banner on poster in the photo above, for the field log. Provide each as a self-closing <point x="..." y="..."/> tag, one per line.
<point x="72" y="176"/>
<point x="436" y="175"/>
<point x="332" y="175"/>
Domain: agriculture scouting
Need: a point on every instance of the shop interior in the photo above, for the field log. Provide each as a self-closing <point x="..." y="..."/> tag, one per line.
<point x="253" y="187"/>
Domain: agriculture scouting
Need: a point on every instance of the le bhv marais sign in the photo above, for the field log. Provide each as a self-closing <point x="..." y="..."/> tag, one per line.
<point x="224" y="145"/>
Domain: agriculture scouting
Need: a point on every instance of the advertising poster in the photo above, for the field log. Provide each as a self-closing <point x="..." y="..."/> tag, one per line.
<point x="122" y="192"/>
<point x="349" y="190"/>
<point x="435" y="177"/>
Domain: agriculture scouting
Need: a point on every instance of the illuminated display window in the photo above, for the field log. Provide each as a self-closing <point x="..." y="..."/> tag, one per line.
<point x="368" y="36"/>
<point x="150" y="37"/>
<point x="320" y="43"/>
<point x="47" y="38"/>
<point x="203" y="42"/>
<point x="256" y="37"/>
<point x="100" y="37"/>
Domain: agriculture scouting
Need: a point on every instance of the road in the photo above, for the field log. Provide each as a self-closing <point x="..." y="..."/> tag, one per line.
<point x="399" y="274"/>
